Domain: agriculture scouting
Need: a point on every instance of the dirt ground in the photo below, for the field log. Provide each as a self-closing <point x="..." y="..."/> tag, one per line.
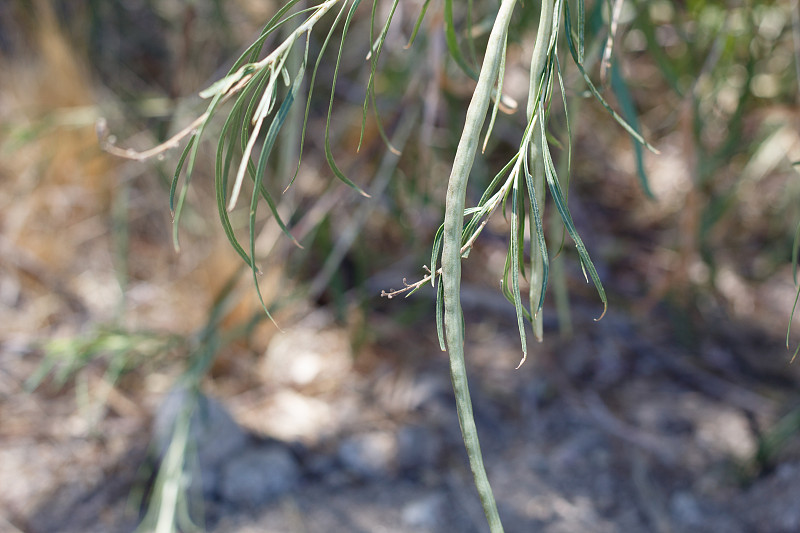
<point x="617" y="429"/>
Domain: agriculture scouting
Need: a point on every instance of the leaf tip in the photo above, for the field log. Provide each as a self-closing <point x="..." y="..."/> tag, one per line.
<point x="605" y="308"/>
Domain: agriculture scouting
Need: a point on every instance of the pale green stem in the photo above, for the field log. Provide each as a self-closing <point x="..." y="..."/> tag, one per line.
<point x="538" y="64"/>
<point x="451" y="255"/>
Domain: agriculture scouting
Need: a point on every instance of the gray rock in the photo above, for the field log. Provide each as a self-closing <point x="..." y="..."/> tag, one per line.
<point x="425" y="513"/>
<point x="771" y="503"/>
<point x="258" y="476"/>
<point x="370" y="455"/>
<point x="214" y="435"/>
<point x="685" y="509"/>
<point x="418" y="447"/>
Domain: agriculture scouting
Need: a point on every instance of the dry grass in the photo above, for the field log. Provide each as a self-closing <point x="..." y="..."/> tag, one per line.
<point x="62" y="260"/>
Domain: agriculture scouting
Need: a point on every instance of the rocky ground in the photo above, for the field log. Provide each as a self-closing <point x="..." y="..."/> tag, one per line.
<point x="615" y="430"/>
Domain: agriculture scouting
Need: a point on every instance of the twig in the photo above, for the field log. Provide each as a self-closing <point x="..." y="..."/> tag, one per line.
<point x="410" y="288"/>
<point x="107" y="140"/>
<point x="242" y="77"/>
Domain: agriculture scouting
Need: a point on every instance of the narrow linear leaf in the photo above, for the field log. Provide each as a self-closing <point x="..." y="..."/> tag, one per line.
<point x="222" y="86"/>
<point x="174" y="185"/>
<point x="452" y="41"/>
<point x="253" y="51"/>
<point x="269" y="143"/>
<point x="566" y="115"/>
<point x="505" y="284"/>
<point x="581" y="27"/>
<point x="440" y="316"/>
<point x="245" y="162"/>
<point x="370" y="94"/>
<point x="178" y="210"/>
<point x="436" y="252"/>
<point x="500" y="75"/>
<point x="625" y="99"/>
<point x="226" y="150"/>
<point x="418" y="23"/>
<point x="311" y="91"/>
<point x="260" y="190"/>
<point x="566" y="217"/>
<point x="486" y="205"/>
<point x="537" y="226"/>
<point x="796" y="252"/>
<point x="791" y="318"/>
<point x="222" y="167"/>
<point x="621" y="121"/>
<point x="515" y="258"/>
<point x="328" y="152"/>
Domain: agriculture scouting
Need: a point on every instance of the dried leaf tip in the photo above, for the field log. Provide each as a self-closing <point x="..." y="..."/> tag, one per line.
<point x="605" y="308"/>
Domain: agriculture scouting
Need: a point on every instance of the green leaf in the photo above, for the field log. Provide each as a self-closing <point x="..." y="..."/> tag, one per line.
<point x="579" y="63"/>
<point x="174" y="185"/>
<point x="436" y="252"/>
<point x="328" y="152"/>
<point x="210" y="111"/>
<point x="795" y="252"/>
<point x="370" y="94"/>
<point x="440" y="316"/>
<point x="515" y="258"/>
<point x="566" y="217"/>
<point x="496" y="106"/>
<point x="629" y="112"/>
<point x="791" y="318"/>
<point x="311" y="91"/>
<point x="538" y="226"/>
<point x="418" y="23"/>
<point x="222" y="86"/>
<point x="222" y="168"/>
<point x="452" y="41"/>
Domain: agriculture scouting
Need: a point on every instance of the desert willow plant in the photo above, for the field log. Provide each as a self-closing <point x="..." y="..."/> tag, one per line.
<point x="263" y="90"/>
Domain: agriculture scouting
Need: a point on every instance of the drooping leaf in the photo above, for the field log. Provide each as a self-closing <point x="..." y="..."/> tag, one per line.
<point x="629" y="113"/>
<point x="452" y="41"/>
<point x="328" y="152"/>
<point x="418" y="23"/>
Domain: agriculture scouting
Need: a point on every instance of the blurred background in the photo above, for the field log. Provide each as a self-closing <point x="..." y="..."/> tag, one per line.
<point x="144" y="387"/>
